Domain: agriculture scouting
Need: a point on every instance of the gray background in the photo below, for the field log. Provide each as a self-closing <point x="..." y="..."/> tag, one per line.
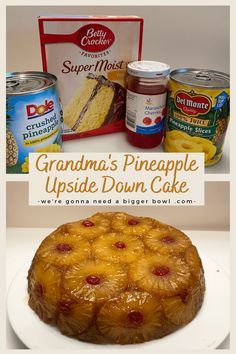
<point x="192" y="36"/>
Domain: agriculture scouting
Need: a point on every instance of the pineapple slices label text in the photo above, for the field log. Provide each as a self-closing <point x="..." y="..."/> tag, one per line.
<point x="116" y="179"/>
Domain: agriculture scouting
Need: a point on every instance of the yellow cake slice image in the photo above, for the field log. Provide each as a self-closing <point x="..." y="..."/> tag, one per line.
<point x="98" y="102"/>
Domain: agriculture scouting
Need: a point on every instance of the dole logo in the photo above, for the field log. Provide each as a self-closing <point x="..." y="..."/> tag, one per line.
<point x="95" y="37"/>
<point x="33" y="111"/>
<point x="191" y="104"/>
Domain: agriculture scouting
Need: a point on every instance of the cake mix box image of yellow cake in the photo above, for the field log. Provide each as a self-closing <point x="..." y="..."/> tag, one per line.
<point x="98" y="103"/>
<point x="89" y="56"/>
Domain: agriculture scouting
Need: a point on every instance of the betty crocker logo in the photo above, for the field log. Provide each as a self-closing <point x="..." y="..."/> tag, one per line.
<point x="95" y="37"/>
<point x="191" y="104"/>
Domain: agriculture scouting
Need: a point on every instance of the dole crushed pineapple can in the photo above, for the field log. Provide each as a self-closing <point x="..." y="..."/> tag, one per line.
<point x="197" y="113"/>
<point x="34" y="117"/>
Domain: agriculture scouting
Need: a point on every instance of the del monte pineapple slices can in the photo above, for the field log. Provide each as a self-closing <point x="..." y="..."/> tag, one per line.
<point x="198" y="112"/>
<point x="34" y="117"/>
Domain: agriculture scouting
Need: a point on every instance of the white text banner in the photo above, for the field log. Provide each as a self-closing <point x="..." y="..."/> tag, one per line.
<point x="116" y="179"/>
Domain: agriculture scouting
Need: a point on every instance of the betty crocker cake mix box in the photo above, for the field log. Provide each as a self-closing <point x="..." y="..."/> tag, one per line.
<point x="89" y="56"/>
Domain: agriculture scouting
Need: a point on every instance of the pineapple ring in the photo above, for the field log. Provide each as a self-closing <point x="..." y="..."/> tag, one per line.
<point x="214" y="160"/>
<point x="181" y="309"/>
<point x="109" y="279"/>
<point x="175" y="141"/>
<point x="168" y="147"/>
<point x="166" y="241"/>
<point x="115" y="247"/>
<point x="45" y="281"/>
<point x="195" y="265"/>
<point x="50" y="148"/>
<point x="133" y="317"/>
<point x="100" y="224"/>
<point x="63" y="249"/>
<point x="44" y="286"/>
<point x="171" y="137"/>
<point x="45" y="309"/>
<point x="208" y="147"/>
<point x="160" y="274"/>
<point x="74" y="317"/>
<point x="177" y="134"/>
<point x="182" y="145"/>
<point x="130" y="225"/>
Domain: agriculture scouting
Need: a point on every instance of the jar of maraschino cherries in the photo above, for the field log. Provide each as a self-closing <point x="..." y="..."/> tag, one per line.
<point x="147" y="87"/>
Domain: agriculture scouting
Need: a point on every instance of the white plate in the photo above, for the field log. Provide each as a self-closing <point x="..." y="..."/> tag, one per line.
<point x="207" y="330"/>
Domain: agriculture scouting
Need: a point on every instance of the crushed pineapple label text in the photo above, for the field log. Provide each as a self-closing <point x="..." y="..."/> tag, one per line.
<point x="116" y="179"/>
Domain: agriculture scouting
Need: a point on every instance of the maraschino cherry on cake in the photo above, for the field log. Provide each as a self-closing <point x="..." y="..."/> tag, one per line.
<point x="116" y="278"/>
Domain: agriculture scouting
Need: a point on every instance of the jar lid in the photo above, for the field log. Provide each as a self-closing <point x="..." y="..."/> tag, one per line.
<point x="148" y="68"/>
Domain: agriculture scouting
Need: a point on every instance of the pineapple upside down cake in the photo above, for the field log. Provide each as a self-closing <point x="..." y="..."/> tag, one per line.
<point x="116" y="278"/>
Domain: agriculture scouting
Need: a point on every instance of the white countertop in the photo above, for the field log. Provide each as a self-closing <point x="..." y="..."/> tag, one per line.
<point x="23" y="242"/>
<point x="118" y="143"/>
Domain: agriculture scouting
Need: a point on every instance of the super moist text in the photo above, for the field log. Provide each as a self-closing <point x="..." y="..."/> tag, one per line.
<point x="100" y="65"/>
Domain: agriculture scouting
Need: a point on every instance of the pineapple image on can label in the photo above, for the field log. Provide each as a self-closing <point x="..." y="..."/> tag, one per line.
<point x="11" y="144"/>
<point x="33" y="118"/>
<point x="198" y="113"/>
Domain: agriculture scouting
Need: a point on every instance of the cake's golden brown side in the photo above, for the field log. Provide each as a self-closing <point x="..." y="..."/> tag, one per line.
<point x="116" y="278"/>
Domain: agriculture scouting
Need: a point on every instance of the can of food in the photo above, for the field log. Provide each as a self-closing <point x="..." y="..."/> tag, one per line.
<point x="197" y="112"/>
<point x="34" y="117"/>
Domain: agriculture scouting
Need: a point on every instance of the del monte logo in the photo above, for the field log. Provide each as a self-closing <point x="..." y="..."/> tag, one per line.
<point x="95" y="37"/>
<point x="192" y="104"/>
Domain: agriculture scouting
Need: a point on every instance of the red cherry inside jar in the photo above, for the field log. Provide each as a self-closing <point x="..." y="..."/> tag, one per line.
<point x="147" y="86"/>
